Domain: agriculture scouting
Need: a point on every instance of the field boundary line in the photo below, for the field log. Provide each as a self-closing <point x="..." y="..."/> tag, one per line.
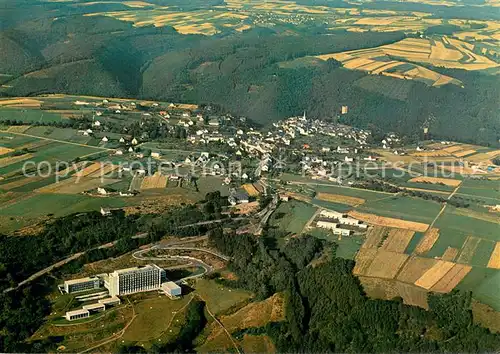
<point x="58" y="141"/>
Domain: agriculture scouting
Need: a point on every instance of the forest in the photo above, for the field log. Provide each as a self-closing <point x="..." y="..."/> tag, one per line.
<point x="327" y="310"/>
<point x="249" y="74"/>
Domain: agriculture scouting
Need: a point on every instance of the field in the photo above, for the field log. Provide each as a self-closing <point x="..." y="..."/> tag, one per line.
<point x="404" y="208"/>
<point x="389" y="222"/>
<point x="397" y="240"/>
<point x="461" y="223"/>
<point x="292" y="216"/>
<point x="391" y="60"/>
<point x="219" y="298"/>
<point x="250" y="189"/>
<point x="342" y="199"/>
<point x="153" y="318"/>
<point x="154" y="182"/>
<point x="428" y="241"/>
<point x="494" y="261"/>
<point x="435" y="180"/>
<point x="375" y="236"/>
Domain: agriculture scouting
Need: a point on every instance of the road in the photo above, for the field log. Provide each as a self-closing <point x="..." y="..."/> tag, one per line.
<point x="218" y="221"/>
<point x="45" y="271"/>
<point x="192" y="260"/>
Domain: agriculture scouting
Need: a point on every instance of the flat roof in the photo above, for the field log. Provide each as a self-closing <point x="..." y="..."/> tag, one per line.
<point x="77" y="312"/>
<point x="81" y="280"/>
<point x="108" y="300"/>
<point x="133" y="269"/>
<point x="170" y="285"/>
<point x="93" y="306"/>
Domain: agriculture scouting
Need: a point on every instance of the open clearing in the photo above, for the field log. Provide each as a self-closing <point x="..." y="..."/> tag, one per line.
<point x="153" y="317"/>
<point x="220" y="298"/>
<point x="342" y="199"/>
<point x="389" y="222"/>
<point x="256" y="314"/>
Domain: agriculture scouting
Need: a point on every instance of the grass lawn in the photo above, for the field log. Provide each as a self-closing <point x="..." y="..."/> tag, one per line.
<point x="347" y="246"/>
<point x="292" y="216"/>
<point x="153" y="317"/>
<point x="218" y="297"/>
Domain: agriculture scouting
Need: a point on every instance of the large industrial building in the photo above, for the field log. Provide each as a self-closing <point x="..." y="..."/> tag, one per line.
<point x="83" y="284"/>
<point x="134" y="280"/>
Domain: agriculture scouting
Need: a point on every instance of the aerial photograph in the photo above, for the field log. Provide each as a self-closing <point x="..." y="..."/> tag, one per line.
<point x="249" y="176"/>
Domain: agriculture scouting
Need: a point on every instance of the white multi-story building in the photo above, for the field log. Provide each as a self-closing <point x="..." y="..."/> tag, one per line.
<point x="83" y="284"/>
<point x="134" y="280"/>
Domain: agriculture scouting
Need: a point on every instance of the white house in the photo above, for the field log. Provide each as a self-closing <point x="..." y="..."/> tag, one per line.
<point x="134" y="141"/>
<point x="155" y="155"/>
<point x="104" y="140"/>
<point x="96" y="123"/>
<point x="101" y="191"/>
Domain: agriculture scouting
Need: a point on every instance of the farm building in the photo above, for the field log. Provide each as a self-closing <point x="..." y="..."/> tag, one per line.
<point x="327" y="225"/>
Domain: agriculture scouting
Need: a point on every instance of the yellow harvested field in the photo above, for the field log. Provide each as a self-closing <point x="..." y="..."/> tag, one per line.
<point x="433" y="275"/>
<point x="364" y="259"/>
<point x="427" y="241"/>
<point x="439" y="51"/>
<point x="386" y="264"/>
<point x="468" y="250"/>
<point x="387" y="66"/>
<point x="6" y="161"/>
<point x="74" y="166"/>
<point x="464" y="153"/>
<point x="494" y="261"/>
<point x="4" y="150"/>
<point x="355" y="63"/>
<point x="453" y="148"/>
<point x="338" y="198"/>
<point x="398" y="240"/>
<point x="75" y="185"/>
<point x="20" y="102"/>
<point x="450" y="254"/>
<point x="434" y="153"/>
<point x="251" y="190"/>
<point x="203" y="28"/>
<point x="18" y="128"/>
<point x="376" y="21"/>
<point x="374" y="236"/>
<point x="436" y="180"/>
<point x="415" y="268"/>
<point x="106" y="168"/>
<point x="89" y="169"/>
<point x="20" y="183"/>
<point x="154" y="182"/>
<point x="389" y="222"/>
<point x="452" y="278"/>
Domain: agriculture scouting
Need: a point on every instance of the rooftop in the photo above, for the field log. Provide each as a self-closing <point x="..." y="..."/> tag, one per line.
<point x="81" y="280"/>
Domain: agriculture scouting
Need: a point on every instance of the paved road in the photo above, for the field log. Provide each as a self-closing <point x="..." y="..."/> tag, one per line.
<point x="218" y="221"/>
<point x="45" y="271"/>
